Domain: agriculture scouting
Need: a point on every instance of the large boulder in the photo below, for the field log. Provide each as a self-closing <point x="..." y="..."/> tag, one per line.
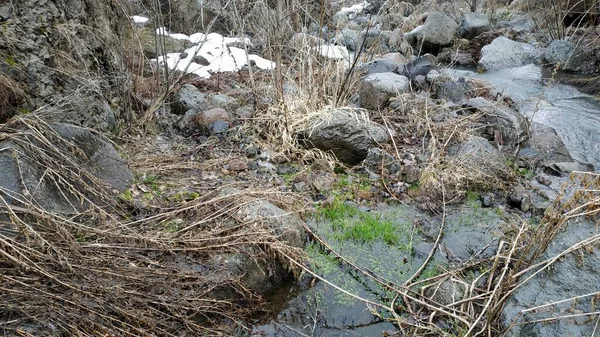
<point x="473" y="24"/>
<point x="377" y="89"/>
<point x="566" y="53"/>
<point x="345" y="132"/>
<point x="24" y="176"/>
<point x="543" y="146"/>
<point x="439" y="30"/>
<point x="500" y="123"/>
<point x="504" y="53"/>
<point x="188" y="97"/>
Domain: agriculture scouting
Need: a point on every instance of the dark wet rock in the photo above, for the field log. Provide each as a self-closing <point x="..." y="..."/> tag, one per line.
<point x="376" y="158"/>
<point x="504" y="53"/>
<point x="519" y="198"/>
<point x="379" y="66"/>
<point x="208" y="117"/>
<point x="473" y="24"/>
<point x="446" y="88"/>
<point x="438" y="31"/>
<point x="346" y="133"/>
<point x="251" y="150"/>
<point x="377" y="89"/>
<point x="487" y="200"/>
<point x="503" y="125"/>
<point x="543" y="146"/>
<point x="421" y="66"/>
<point x="543" y="180"/>
<point x="188" y="97"/>
<point x="22" y="176"/>
<point x="448" y="292"/>
<point x="574" y="275"/>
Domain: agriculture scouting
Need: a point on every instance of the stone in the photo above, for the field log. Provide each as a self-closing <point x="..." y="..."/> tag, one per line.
<point x="432" y="76"/>
<point x="439" y="30"/>
<point x="223" y="101"/>
<point x="251" y="150"/>
<point x="503" y="125"/>
<point x="244" y="112"/>
<point x="93" y="153"/>
<point x="504" y="53"/>
<point x="348" y="38"/>
<point x="237" y="165"/>
<point x="448" y="292"/>
<point x="377" y="157"/>
<point x="187" y="123"/>
<point x="379" y="66"/>
<point x="345" y="133"/>
<point x="543" y="146"/>
<point x="473" y="24"/>
<point x="219" y="127"/>
<point x="479" y="154"/>
<point x="565" y="53"/>
<point x="207" y="117"/>
<point x="188" y="97"/>
<point x="413" y="174"/>
<point x="487" y="200"/>
<point x="451" y="90"/>
<point x="377" y="89"/>
<point x="421" y="66"/>
<point x="523" y="23"/>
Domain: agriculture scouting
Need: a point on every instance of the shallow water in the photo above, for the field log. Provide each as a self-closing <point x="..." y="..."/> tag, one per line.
<point x="574" y="115"/>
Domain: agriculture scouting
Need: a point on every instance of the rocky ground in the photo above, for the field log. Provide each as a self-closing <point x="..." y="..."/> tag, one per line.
<point x="213" y="178"/>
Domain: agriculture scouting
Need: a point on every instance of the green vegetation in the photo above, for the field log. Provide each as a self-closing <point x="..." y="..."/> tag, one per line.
<point x="368" y="228"/>
<point x="127" y="196"/>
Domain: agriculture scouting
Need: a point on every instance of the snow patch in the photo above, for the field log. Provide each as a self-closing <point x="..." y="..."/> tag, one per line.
<point x="139" y="19"/>
<point x="352" y="11"/>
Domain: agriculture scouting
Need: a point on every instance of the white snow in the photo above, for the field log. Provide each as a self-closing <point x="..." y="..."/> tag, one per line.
<point x="214" y="48"/>
<point x="359" y="8"/>
<point x="139" y="19"/>
<point x="332" y="51"/>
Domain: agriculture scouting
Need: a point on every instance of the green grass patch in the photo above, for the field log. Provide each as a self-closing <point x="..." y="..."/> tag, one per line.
<point x="370" y="228"/>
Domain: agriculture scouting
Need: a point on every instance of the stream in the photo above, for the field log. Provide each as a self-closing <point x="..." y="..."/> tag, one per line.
<point x="312" y="308"/>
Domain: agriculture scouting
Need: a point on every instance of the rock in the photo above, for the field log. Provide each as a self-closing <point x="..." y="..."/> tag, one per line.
<point x="187" y="123"/>
<point x="219" y="128"/>
<point x="543" y="180"/>
<point x="421" y="66"/>
<point x="300" y="187"/>
<point x="397" y="58"/>
<point x="223" y="102"/>
<point x="438" y="31"/>
<point x="94" y="155"/>
<point x="6" y="12"/>
<point x="519" y="198"/>
<point x="412" y="174"/>
<point x="377" y="89"/>
<point x="558" y="168"/>
<point x="251" y="150"/>
<point x="379" y="66"/>
<point x="523" y="23"/>
<point x="322" y="183"/>
<point x="146" y="36"/>
<point x="207" y="117"/>
<point x="245" y="112"/>
<point x="479" y="154"/>
<point x="503" y="125"/>
<point x="377" y="157"/>
<point x="188" y="97"/>
<point x="504" y="53"/>
<point x="565" y="53"/>
<point x="487" y="200"/>
<point x="237" y="165"/>
<point x="348" y="38"/>
<point x="448" y="292"/>
<point x="451" y="90"/>
<point x="346" y="133"/>
<point x="473" y="24"/>
<point x="432" y="76"/>
<point x="571" y="276"/>
<point x="543" y="146"/>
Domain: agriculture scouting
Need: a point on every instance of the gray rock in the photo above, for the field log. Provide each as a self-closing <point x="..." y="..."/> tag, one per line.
<point x="377" y="157"/>
<point x="565" y="53"/>
<point x="502" y="124"/>
<point x="432" y="76"/>
<point x="473" y="24"/>
<point x="523" y="23"/>
<point x="379" y="66"/>
<point x="438" y="31"/>
<point x="448" y="292"/>
<point x="20" y="175"/>
<point x="487" y="199"/>
<point x="377" y="89"/>
<point x="244" y="112"/>
<point x="421" y="66"/>
<point x="187" y="123"/>
<point x="219" y="127"/>
<point x="345" y="133"/>
<point x="188" y="97"/>
<point x="504" y="53"/>
<point x="543" y="146"/>
<point x="6" y="12"/>
<point x="348" y="38"/>
<point x="451" y="90"/>
<point x="574" y="275"/>
<point x="223" y="101"/>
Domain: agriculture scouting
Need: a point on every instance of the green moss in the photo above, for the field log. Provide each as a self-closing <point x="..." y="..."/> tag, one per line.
<point x="10" y="60"/>
<point x="127" y="196"/>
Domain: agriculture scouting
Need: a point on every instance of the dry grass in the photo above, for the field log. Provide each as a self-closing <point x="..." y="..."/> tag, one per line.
<point x="104" y="271"/>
